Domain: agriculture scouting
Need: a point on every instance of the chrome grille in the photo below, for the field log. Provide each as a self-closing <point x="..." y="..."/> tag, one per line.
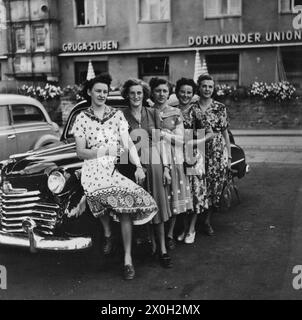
<point x="18" y="204"/>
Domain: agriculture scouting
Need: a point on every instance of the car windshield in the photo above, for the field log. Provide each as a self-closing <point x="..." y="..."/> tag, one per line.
<point x="70" y="123"/>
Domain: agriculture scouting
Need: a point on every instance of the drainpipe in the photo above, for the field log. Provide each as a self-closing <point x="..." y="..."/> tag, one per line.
<point x="10" y="36"/>
<point x="31" y="41"/>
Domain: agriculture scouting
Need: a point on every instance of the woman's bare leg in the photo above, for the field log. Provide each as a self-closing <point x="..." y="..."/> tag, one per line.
<point x="171" y="227"/>
<point x="105" y="220"/>
<point x="126" y="229"/>
<point x="160" y="233"/>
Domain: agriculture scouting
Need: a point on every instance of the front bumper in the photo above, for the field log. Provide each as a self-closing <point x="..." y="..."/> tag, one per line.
<point x="35" y="242"/>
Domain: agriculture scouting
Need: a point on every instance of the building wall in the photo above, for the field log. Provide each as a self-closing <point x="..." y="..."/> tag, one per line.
<point x="187" y="19"/>
<point x="31" y="63"/>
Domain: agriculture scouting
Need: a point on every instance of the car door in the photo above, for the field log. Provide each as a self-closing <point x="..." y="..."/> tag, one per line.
<point x="30" y="124"/>
<point x="8" y="139"/>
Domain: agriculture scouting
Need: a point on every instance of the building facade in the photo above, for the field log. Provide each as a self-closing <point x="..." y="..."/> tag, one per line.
<point x="242" y="41"/>
<point x="32" y="33"/>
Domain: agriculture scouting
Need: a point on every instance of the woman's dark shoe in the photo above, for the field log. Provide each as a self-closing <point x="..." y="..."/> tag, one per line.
<point x="165" y="260"/>
<point x="128" y="272"/>
<point x="209" y="230"/>
<point x="107" y="245"/>
<point x="170" y="243"/>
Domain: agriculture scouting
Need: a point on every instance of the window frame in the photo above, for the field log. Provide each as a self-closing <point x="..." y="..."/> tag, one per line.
<point x="16" y="38"/>
<point x="75" y="19"/>
<point x="80" y="65"/>
<point x="39" y="49"/>
<point x="26" y="122"/>
<point x="224" y="72"/>
<point x="141" y="61"/>
<point x="291" y="10"/>
<point x="221" y="16"/>
<point x="139" y="19"/>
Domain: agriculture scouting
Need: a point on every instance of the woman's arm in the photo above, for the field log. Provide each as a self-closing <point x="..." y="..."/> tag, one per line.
<point x="209" y="135"/>
<point x="176" y="137"/>
<point x="84" y="153"/>
<point x="226" y="136"/>
<point x="128" y="144"/>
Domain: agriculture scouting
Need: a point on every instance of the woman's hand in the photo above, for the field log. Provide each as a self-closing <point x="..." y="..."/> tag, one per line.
<point x="167" y="176"/>
<point x="139" y="175"/>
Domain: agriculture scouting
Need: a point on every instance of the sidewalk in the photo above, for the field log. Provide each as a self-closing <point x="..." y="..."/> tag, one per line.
<point x="275" y="146"/>
<point x="281" y="140"/>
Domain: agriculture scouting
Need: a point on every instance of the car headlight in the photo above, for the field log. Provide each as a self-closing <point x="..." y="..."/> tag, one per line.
<point x="56" y="182"/>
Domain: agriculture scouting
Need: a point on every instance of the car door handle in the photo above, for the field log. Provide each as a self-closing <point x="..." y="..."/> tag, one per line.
<point x="11" y="136"/>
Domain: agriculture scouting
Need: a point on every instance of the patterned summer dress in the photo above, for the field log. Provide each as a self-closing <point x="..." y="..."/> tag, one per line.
<point x="180" y="194"/>
<point x="106" y="189"/>
<point x="216" y="160"/>
<point x="195" y="121"/>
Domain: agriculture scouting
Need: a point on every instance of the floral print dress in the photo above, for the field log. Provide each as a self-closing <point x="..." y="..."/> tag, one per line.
<point x="216" y="159"/>
<point x="106" y="189"/>
<point x="194" y="120"/>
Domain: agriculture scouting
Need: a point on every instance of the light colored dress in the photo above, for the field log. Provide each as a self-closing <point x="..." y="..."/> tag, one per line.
<point x="180" y="194"/>
<point x="106" y="189"/>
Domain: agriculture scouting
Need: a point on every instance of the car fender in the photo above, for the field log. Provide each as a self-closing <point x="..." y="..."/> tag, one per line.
<point x="44" y="140"/>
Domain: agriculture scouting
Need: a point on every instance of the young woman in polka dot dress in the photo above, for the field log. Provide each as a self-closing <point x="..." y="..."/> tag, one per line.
<point x="172" y="132"/>
<point x="101" y="134"/>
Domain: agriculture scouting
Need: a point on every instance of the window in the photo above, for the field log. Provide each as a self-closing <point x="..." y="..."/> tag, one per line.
<point x="287" y="6"/>
<point x="222" y="8"/>
<point x="153" y="67"/>
<point x="224" y="68"/>
<point x="26" y="113"/>
<point x="4" y="118"/>
<point x="81" y="69"/>
<point x="154" y="10"/>
<point x="39" y="33"/>
<point x="90" y="12"/>
<point x="20" y="39"/>
<point x="292" y="61"/>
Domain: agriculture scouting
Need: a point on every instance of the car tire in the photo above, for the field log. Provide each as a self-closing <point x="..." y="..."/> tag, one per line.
<point x="44" y="141"/>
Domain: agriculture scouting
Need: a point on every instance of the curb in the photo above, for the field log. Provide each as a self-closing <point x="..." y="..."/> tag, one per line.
<point x="271" y="133"/>
<point x="272" y="148"/>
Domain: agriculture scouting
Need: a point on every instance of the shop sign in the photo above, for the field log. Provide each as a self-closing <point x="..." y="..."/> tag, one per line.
<point x="245" y="38"/>
<point x="91" y="46"/>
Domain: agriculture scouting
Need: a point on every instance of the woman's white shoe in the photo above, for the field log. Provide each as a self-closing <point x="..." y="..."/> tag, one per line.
<point x="190" y="238"/>
<point x="181" y="237"/>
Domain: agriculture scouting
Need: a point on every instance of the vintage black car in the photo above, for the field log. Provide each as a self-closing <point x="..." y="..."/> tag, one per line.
<point x="42" y="204"/>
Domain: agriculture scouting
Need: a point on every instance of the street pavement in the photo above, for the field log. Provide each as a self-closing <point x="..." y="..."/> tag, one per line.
<point x="257" y="244"/>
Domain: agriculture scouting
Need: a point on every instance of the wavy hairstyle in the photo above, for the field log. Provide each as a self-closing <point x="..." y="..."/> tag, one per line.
<point x="203" y="77"/>
<point x="155" y="82"/>
<point x="185" y="82"/>
<point x="135" y="82"/>
<point x="88" y="85"/>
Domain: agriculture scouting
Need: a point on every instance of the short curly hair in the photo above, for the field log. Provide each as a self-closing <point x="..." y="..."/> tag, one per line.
<point x="135" y="82"/>
<point x="204" y="77"/>
<point x="155" y="82"/>
<point x="185" y="82"/>
<point x="88" y="85"/>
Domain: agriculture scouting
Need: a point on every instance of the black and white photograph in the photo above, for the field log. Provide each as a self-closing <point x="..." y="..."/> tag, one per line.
<point x="151" y="152"/>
